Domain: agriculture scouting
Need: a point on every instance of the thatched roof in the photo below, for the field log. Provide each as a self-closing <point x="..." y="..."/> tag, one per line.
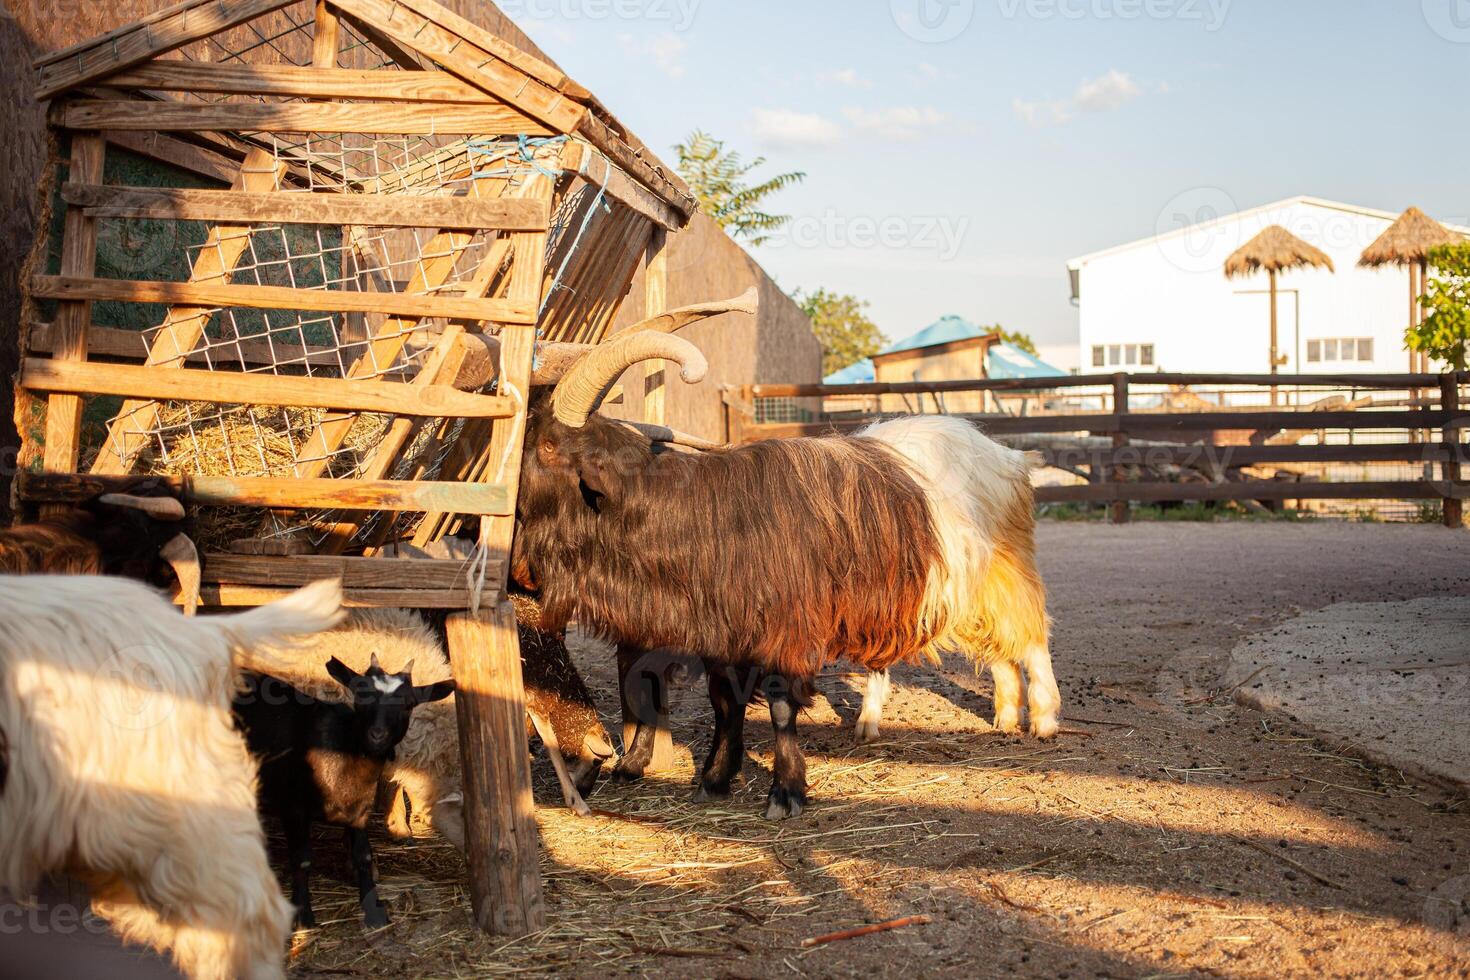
<point x="1408" y="241"/>
<point x="1274" y="250"/>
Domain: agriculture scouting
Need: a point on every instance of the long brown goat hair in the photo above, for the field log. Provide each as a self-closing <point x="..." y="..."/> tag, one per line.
<point x="785" y="555"/>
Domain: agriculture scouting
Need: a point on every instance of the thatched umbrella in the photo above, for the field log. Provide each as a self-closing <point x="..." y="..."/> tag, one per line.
<point x="1407" y="243"/>
<point x="1275" y="250"/>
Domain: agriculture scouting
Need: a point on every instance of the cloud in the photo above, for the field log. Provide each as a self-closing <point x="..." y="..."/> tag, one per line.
<point x="666" y="50"/>
<point x="896" y="122"/>
<point x="848" y="77"/>
<point x="1106" y="93"/>
<point x="786" y="127"/>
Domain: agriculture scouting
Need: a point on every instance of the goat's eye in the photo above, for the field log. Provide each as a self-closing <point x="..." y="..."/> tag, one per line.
<point x="547" y="449"/>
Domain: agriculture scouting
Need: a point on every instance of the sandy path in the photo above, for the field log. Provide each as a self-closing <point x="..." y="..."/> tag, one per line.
<point x="1169" y="832"/>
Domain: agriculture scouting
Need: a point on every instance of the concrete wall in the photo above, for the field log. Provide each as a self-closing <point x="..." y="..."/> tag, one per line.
<point x="1171" y="292"/>
<point x="777" y="345"/>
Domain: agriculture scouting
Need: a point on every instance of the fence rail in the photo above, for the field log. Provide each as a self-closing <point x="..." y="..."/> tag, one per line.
<point x="1144" y="441"/>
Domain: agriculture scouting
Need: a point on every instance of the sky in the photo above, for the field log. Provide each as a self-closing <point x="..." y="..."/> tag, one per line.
<point x="959" y="152"/>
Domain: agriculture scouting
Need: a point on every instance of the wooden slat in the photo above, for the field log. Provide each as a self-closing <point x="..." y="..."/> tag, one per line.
<point x="525" y="62"/>
<point x="598" y="171"/>
<point x="1233" y="456"/>
<point x="1138" y="423"/>
<point x="362" y="573"/>
<point x="78" y="258"/>
<point x="417" y="30"/>
<point x="1377" y="381"/>
<point x="1250" y="490"/>
<point x="225" y="595"/>
<point x="387" y="85"/>
<point x="663" y="183"/>
<point x="280" y="298"/>
<point x="298" y="117"/>
<point x="386" y="210"/>
<point x="285" y="493"/>
<point x="236" y="388"/>
<point x="133" y="344"/>
<point x="163" y="31"/>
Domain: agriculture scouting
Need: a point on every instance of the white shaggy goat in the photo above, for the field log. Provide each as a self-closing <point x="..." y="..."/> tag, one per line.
<point x="987" y="593"/>
<point x="126" y="771"/>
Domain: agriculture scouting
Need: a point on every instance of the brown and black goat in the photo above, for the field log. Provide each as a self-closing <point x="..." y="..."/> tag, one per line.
<point x="133" y="535"/>
<point x="772" y="559"/>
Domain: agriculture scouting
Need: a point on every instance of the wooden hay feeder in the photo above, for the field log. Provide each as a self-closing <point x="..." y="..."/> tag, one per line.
<point x="279" y="317"/>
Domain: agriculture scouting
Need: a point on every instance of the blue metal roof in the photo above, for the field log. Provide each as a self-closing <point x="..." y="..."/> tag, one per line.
<point x="860" y="373"/>
<point x="941" y="331"/>
<point x="1009" y="361"/>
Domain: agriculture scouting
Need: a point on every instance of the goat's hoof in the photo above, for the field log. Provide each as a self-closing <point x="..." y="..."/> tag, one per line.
<point x="710" y="794"/>
<point x="1007" y="724"/>
<point x="783" y="803"/>
<point x="867" y="731"/>
<point x="579" y="807"/>
<point x="627" y="774"/>
<point x="305" y="919"/>
<point x="1045" y="728"/>
<point x="375" y="917"/>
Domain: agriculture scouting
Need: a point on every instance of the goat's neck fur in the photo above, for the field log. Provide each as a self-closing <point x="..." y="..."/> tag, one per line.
<point x="787" y="554"/>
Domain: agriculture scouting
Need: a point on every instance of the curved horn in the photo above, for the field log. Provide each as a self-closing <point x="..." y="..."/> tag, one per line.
<point x="578" y="394"/>
<point x="163" y="508"/>
<point x="183" y="557"/>
<point x="662" y="433"/>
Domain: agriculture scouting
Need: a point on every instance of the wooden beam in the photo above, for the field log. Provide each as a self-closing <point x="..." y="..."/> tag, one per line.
<point x="290" y="207"/>
<point x="415" y="25"/>
<point x="227" y="595"/>
<point x="665" y="186"/>
<point x="1228" y="457"/>
<point x="1101" y="381"/>
<point x="499" y="812"/>
<point x="523" y="61"/>
<point x="361" y="573"/>
<point x="598" y="171"/>
<point x="254" y="351"/>
<point x="237" y="388"/>
<point x="1449" y="403"/>
<point x="78" y="258"/>
<point x="177" y="153"/>
<point x="384" y="85"/>
<point x="1119" y="510"/>
<point x="280" y="298"/>
<point x="156" y="34"/>
<point x="284" y="493"/>
<point x="1246" y="490"/>
<point x="297" y="117"/>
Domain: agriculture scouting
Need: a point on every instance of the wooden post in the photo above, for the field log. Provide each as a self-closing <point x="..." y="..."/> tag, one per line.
<point x="73" y="317"/>
<point x="1275" y="360"/>
<point x="1119" y="510"/>
<point x="1449" y="400"/>
<point x="499" y="814"/>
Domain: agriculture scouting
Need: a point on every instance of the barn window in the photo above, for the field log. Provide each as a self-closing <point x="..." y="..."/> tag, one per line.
<point x="1365" y="348"/>
<point x="1314" y="351"/>
<point x="1146" y="355"/>
<point x="1099" y="356"/>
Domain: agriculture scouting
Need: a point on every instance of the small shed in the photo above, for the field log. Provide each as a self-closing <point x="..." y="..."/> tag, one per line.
<point x="312" y="295"/>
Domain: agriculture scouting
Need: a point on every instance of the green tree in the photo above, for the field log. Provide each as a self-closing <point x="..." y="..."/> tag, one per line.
<point x="1017" y="339"/>
<point x="719" y="180"/>
<point x="844" y="330"/>
<point x="1444" y="331"/>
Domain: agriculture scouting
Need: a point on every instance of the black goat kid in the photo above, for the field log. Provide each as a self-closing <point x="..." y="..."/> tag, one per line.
<point x="321" y="761"/>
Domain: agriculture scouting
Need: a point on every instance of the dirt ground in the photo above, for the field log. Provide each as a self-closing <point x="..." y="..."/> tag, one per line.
<point x="1167" y="832"/>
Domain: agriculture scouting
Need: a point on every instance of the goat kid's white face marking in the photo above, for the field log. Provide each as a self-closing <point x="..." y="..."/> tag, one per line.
<point x="388" y="684"/>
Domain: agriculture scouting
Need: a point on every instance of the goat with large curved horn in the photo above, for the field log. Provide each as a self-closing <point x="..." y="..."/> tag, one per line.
<point x="582" y="389"/>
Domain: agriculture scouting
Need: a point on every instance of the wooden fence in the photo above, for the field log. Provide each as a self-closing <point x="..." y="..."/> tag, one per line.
<point x="1217" y="444"/>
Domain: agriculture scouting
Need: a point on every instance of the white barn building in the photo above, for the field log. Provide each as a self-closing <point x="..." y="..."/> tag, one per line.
<point x="1164" y="303"/>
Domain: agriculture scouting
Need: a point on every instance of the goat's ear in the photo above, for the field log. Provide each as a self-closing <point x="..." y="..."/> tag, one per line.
<point x="598" y="474"/>
<point x="432" y="692"/>
<point x="341" y="673"/>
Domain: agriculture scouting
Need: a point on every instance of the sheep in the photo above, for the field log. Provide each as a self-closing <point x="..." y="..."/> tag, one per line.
<point x="321" y="760"/>
<point x="423" y="779"/>
<point x="132" y="535"/>
<point x="125" y="771"/>
<point x="771" y="559"/>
